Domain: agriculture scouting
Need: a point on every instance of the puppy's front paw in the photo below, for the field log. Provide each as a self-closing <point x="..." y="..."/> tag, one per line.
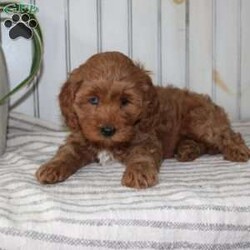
<point x="140" y="175"/>
<point x="50" y="173"/>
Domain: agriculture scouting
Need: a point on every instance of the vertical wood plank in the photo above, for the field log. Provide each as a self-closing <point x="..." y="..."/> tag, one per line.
<point x="173" y="42"/>
<point x="200" y="47"/>
<point x="83" y="30"/>
<point x="67" y="37"/>
<point x="214" y="44"/>
<point x="99" y="25"/>
<point x="130" y="27"/>
<point x="18" y="58"/>
<point x="145" y="34"/>
<point x="159" y="42"/>
<point x="52" y="17"/>
<point x="245" y="63"/>
<point x="226" y="62"/>
<point x="114" y="25"/>
<point x="187" y="42"/>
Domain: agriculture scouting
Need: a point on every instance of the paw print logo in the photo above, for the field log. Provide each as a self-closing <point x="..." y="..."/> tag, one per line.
<point x="20" y="26"/>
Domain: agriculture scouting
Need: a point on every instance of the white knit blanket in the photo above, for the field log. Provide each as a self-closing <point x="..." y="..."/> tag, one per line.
<point x="204" y="204"/>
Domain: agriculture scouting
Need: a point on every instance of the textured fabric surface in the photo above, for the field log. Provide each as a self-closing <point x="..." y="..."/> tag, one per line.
<point x="203" y="204"/>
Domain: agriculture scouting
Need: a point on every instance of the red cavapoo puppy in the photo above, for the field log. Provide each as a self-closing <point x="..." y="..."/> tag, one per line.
<point x="110" y="104"/>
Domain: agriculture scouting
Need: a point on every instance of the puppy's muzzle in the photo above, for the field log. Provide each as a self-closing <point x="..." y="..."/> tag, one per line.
<point x="108" y="130"/>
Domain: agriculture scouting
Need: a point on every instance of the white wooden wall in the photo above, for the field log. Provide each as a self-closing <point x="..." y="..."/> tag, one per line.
<point x="200" y="44"/>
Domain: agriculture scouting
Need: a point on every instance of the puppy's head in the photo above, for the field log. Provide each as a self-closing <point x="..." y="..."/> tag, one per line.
<point x="109" y="98"/>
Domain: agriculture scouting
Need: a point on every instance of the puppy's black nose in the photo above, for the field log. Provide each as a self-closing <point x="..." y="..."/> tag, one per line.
<point x="107" y="131"/>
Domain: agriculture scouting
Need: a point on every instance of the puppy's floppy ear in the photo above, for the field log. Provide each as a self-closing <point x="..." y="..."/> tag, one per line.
<point x="67" y="97"/>
<point x="150" y="111"/>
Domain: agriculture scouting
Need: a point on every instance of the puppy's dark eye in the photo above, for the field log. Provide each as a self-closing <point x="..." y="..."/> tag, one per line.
<point x="124" y="101"/>
<point x="94" y="100"/>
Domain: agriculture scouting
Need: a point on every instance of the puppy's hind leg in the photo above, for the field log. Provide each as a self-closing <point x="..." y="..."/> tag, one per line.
<point x="234" y="147"/>
<point x="210" y="125"/>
